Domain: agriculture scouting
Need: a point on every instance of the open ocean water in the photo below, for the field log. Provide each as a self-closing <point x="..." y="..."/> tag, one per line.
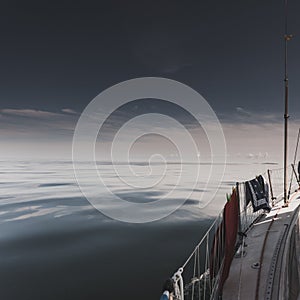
<point x="55" y="245"/>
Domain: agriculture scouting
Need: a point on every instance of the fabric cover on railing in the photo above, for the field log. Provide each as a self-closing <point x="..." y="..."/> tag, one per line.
<point x="257" y="192"/>
<point x="217" y="251"/>
<point x="231" y="221"/>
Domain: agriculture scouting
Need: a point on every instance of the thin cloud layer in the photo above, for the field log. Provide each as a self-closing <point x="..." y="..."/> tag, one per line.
<point x="16" y="123"/>
<point x="69" y="111"/>
<point x="31" y="113"/>
<point x="247" y="133"/>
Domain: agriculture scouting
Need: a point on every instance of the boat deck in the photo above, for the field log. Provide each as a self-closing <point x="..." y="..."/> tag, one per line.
<point x="256" y="274"/>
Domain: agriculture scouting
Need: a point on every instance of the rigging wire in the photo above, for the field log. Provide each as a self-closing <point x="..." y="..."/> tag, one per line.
<point x="294" y="161"/>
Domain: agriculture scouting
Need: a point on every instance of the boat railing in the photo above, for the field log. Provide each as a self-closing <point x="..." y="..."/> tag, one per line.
<point x="199" y="276"/>
<point x="202" y="269"/>
<point x="275" y="180"/>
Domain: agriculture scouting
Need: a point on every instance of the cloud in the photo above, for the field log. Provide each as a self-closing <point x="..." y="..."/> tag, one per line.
<point x="245" y="131"/>
<point x="69" y="111"/>
<point x="240" y="115"/>
<point x="32" y="113"/>
<point x="31" y="123"/>
<point x="242" y="111"/>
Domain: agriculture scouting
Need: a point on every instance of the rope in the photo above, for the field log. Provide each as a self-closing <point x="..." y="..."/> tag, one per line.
<point x="199" y="270"/>
<point x="179" y="289"/>
<point x="194" y="275"/>
<point x="202" y="240"/>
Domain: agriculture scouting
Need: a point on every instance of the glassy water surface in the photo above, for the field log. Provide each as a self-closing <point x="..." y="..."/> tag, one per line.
<point x="55" y="245"/>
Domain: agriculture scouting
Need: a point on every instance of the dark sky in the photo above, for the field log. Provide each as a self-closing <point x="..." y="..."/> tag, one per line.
<point x="57" y="55"/>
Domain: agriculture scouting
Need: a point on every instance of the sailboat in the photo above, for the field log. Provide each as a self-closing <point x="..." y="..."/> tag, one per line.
<point x="252" y="249"/>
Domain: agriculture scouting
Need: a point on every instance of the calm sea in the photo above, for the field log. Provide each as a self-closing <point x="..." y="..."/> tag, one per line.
<point x="55" y="245"/>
